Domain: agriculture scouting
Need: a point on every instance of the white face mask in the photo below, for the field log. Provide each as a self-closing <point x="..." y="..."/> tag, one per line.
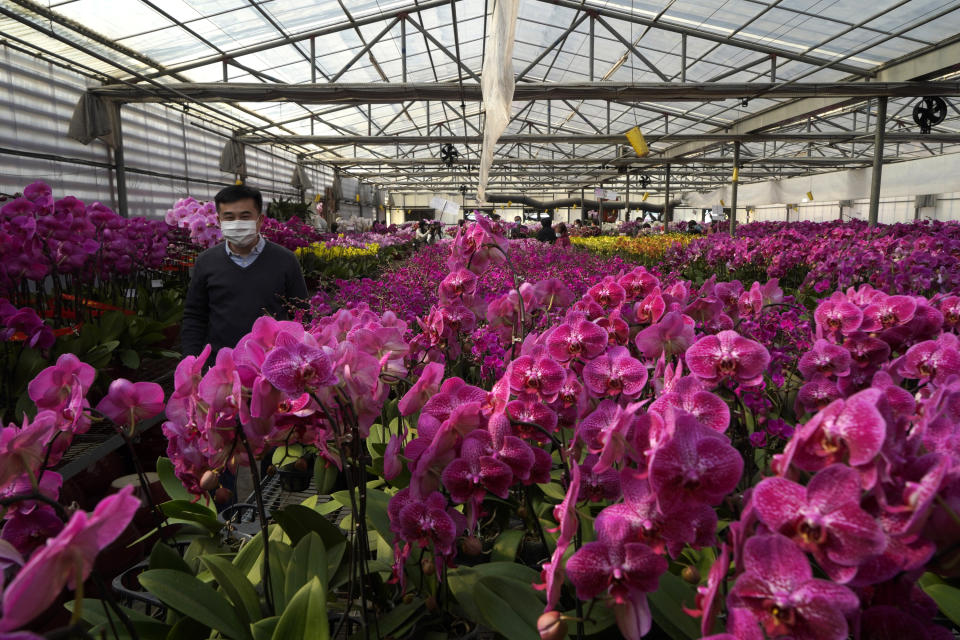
<point x="239" y="232"/>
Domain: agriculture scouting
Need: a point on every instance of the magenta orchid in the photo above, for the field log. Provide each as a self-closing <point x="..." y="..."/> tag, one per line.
<point x="779" y="591"/>
<point x="728" y="355"/>
<point x="66" y="559"/>
<point x="128" y="403"/>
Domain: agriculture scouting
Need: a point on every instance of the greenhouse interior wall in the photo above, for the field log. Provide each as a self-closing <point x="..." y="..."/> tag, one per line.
<point x="158" y="139"/>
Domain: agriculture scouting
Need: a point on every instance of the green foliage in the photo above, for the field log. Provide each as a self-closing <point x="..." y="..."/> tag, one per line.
<point x="282" y="209"/>
<point x="196" y="600"/>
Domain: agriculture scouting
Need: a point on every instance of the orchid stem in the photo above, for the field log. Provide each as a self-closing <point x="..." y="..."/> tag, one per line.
<point x="264" y="529"/>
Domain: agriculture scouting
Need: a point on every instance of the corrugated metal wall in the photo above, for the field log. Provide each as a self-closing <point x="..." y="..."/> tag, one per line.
<point x="38" y="100"/>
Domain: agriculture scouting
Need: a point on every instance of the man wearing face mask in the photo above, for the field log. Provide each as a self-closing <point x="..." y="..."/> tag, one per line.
<point x="236" y="282"/>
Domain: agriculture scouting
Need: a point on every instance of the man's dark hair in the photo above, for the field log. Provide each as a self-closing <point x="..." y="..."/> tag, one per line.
<point x="237" y="192"/>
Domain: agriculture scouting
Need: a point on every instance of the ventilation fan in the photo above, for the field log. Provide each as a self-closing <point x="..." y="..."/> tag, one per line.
<point x="449" y="154"/>
<point x="929" y="112"/>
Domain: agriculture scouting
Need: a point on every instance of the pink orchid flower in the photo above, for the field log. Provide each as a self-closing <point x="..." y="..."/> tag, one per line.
<point x="837" y="317"/>
<point x="851" y="431"/>
<point x="696" y="464"/>
<point x="628" y="571"/>
<point x="128" y="403"/>
<point x="607" y="293"/>
<point x="931" y="361"/>
<point x="541" y="376"/>
<point x="779" y="590"/>
<point x="565" y="514"/>
<point x="823" y="518"/>
<point x="688" y="393"/>
<point x="579" y="338"/>
<point x="615" y="373"/>
<point x="295" y="366"/>
<point x="728" y="355"/>
<point x="826" y="359"/>
<point x="22" y="448"/>
<point x="672" y="335"/>
<point x="53" y="387"/>
<point x="67" y="559"/>
<point x="638" y="283"/>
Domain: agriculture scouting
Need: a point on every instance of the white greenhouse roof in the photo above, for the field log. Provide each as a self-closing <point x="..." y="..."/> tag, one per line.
<point x="150" y="42"/>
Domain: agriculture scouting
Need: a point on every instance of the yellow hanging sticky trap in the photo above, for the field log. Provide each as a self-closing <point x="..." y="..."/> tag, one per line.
<point x="238" y="182"/>
<point x="646" y="194"/>
<point x="722" y="203"/>
<point x="736" y="174"/>
<point x="318" y="198"/>
<point x="810" y="195"/>
<point x="358" y="197"/>
<point x="635" y="138"/>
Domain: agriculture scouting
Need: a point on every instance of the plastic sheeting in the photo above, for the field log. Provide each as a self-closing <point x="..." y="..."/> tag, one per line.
<point x="300" y="178"/>
<point x="496" y="82"/>
<point x="91" y="120"/>
<point x="233" y="159"/>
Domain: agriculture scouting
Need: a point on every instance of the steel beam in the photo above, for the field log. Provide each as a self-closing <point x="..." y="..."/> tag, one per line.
<point x="600" y="139"/>
<point x="917" y="66"/>
<point x="606" y="162"/>
<point x="363" y="93"/>
<point x="720" y="38"/>
<point x="300" y="37"/>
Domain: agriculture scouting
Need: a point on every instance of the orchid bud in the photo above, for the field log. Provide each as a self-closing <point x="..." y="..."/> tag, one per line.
<point x="209" y="481"/>
<point x="222" y="495"/>
<point x="472" y="546"/>
<point x="427" y="565"/>
<point x="300" y="464"/>
<point x="691" y="575"/>
<point x="552" y="626"/>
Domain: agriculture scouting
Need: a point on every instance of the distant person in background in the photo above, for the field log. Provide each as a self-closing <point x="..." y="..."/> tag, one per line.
<point x="519" y="230"/>
<point x="546" y="233"/>
<point x="563" y="236"/>
<point x="424" y="232"/>
<point x="694" y="227"/>
<point x="578" y="223"/>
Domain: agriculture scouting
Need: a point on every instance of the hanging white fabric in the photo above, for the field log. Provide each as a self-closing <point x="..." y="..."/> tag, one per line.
<point x="233" y="159"/>
<point x="91" y="120"/>
<point x="496" y="83"/>
<point x="300" y="178"/>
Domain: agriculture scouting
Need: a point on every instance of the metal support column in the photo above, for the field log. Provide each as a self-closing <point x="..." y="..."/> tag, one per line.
<point x="592" y="45"/>
<point x="119" y="167"/>
<point x="683" y="58"/>
<point x="877" y="161"/>
<point x="626" y="198"/>
<point x="667" y="213"/>
<point x="733" y="196"/>
<point x="403" y="47"/>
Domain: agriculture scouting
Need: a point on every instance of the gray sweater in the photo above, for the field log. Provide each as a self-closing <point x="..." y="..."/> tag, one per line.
<point x="224" y="299"/>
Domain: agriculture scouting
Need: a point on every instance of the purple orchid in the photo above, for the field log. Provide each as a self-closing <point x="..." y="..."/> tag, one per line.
<point x="128" y="403"/>
<point x="625" y="570"/>
<point x="824" y="518"/>
<point x="695" y="465"/>
<point x="672" y="335"/>
<point x="778" y="590"/>
<point x="615" y="373"/>
<point x="728" y="355"/>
